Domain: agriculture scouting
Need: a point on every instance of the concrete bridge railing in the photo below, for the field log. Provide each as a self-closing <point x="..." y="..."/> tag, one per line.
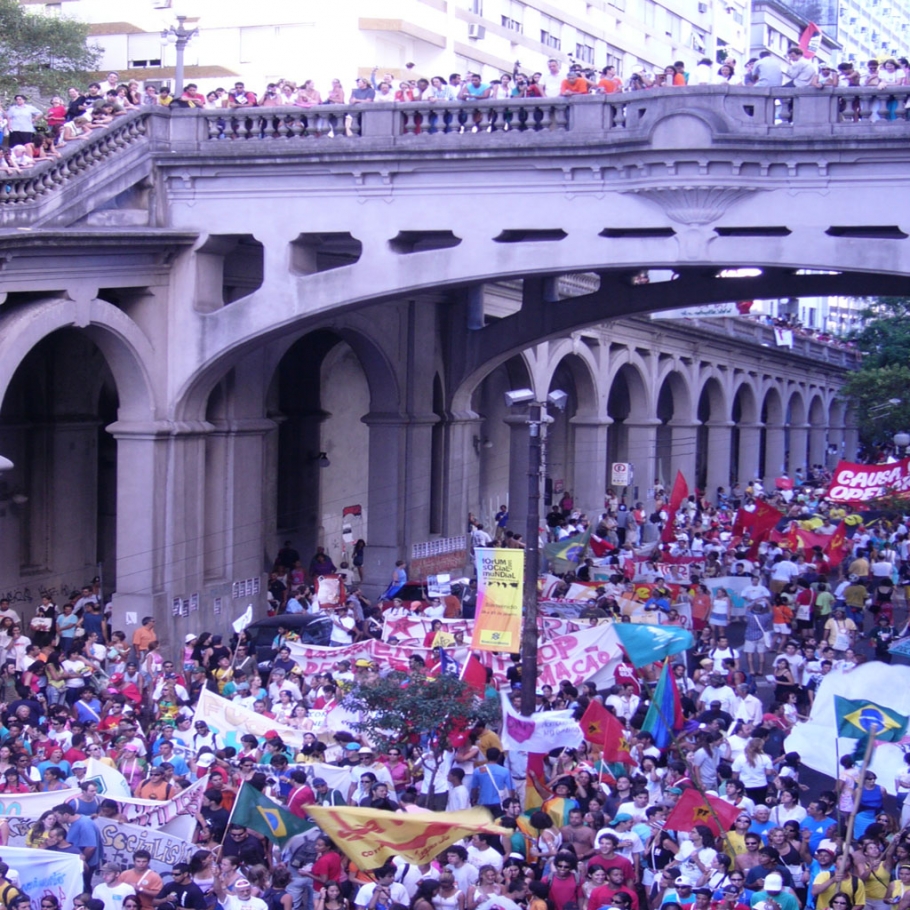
<point x="728" y="114"/>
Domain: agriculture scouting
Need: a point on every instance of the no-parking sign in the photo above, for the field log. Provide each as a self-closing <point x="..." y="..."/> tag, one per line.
<point x="621" y="474"/>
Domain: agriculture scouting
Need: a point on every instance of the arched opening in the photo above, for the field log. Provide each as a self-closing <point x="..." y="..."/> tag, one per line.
<point x="818" y="434"/>
<point x="319" y="396"/>
<point x="676" y="432"/>
<point x="628" y="435"/>
<point x="58" y="506"/>
<point x="796" y="434"/>
<point x="712" y="440"/>
<point x="745" y="436"/>
<point x="772" y="458"/>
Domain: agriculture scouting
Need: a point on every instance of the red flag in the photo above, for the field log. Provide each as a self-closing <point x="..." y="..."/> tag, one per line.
<point x="694" y="809"/>
<point x="474" y="674"/>
<point x="600" y="726"/>
<point x="764" y="520"/>
<point x="808" y="40"/>
<point x="594" y="722"/>
<point x="600" y="547"/>
<point x="679" y="492"/>
<point x="838" y="546"/>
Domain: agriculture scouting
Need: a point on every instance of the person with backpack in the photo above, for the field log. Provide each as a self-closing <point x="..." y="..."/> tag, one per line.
<point x="181" y="892"/>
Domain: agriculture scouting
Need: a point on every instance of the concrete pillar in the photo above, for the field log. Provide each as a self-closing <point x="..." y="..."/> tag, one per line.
<point x="682" y="451"/>
<point x="642" y="449"/>
<point x="719" y="451"/>
<point x="749" y="451"/>
<point x="818" y="444"/>
<point x="851" y="442"/>
<point x="774" y="453"/>
<point x="518" y="471"/>
<point x="235" y="451"/>
<point x="590" y="458"/>
<point x="835" y="446"/>
<point x="462" y="472"/>
<point x="385" y="525"/>
<point x="799" y="441"/>
<point x="143" y="513"/>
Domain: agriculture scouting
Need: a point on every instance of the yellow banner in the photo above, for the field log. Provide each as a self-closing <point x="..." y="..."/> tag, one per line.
<point x="371" y="837"/>
<point x="500" y="582"/>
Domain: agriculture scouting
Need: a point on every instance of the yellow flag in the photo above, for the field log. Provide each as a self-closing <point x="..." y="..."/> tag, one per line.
<point x="371" y="837"/>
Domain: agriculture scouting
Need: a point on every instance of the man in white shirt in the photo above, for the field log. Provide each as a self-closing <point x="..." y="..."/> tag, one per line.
<point x="342" y="626"/>
<point x="481" y="854"/>
<point x="755" y="590"/>
<point x="385" y="890"/>
<point x="112" y="894"/>
<point x="551" y="81"/>
<point x="459" y="797"/>
<point x="746" y="706"/>
<point x="717" y="690"/>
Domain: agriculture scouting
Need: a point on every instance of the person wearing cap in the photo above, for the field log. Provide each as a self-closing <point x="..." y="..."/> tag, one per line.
<point x="769" y="864"/>
<point x="325" y="795"/>
<point x="204" y="736"/>
<point x="680" y="893"/>
<point x="108" y="890"/>
<point x="241" y="899"/>
<point x="773" y="896"/>
<point x="730" y="899"/>
<point x="367" y="762"/>
<point x="156" y="786"/>
<point x="181" y="890"/>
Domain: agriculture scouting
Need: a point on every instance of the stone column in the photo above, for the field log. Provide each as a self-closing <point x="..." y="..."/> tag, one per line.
<point x="143" y="514"/>
<point x="590" y="457"/>
<point x="749" y="452"/>
<point x="385" y="523"/>
<point x="642" y="451"/>
<point x="462" y="472"/>
<point x="818" y="444"/>
<point x="235" y="451"/>
<point x="851" y="442"/>
<point x="835" y="442"/>
<point x="774" y="453"/>
<point x="518" y="471"/>
<point x="682" y="451"/>
<point x="799" y="440"/>
<point x="719" y="450"/>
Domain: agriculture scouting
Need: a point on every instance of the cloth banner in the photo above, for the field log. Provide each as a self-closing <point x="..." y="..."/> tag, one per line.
<point x="694" y="809"/>
<point x="43" y="873"/>
<point x="33" y="805"/>
<point x="371" y="837"/>
<point x="859" y="482"/>
<point x="109" y="781"/>
<point x="122" y="841"/>
<point x="227" y="717"/>
<point x="154" y="813"/>
<point x="542" y="732"/>
<point x="500" y="578"/>
<point x="417" y="627"/>
<point x="889" y="687"/>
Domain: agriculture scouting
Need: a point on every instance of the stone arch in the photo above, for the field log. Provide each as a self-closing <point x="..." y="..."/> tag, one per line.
<point x="630" y="436"/>
<point x="772" y="449"/>
<point x="745" y="433"/>
<point x="713" y="440"/>
<point x="125" y="348"/>
<point x="582" y="366"/>
<point x="576" y="435"/>
<point x="837" y="422"/>
<point x="676" y="429"/>
<point x="818" y="431"/>
<point x="796" y="431"/>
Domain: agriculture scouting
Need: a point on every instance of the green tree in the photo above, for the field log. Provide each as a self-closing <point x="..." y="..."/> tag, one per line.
<point x="41" y="52"/>
<point x="879" y="392"/>
<point x="402" y="708"/>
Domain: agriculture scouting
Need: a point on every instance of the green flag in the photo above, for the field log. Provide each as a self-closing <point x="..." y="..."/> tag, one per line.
<point x="570" y="550"/>
<point x="857" y="718"/>
<point x="253" y="810"/>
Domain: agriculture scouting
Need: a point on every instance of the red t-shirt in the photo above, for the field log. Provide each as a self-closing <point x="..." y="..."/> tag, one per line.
<point x="563" y="890"/>
<point x="328" y="865"/>
<point x="300" y="798"/>
<point x="603" y="896"/>
<point x="614" y="862"/>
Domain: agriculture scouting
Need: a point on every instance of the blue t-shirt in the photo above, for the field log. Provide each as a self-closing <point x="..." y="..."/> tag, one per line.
<point x="493" y="783"/>
<point x="817" y="831"/>
<point x="85" y="833"/>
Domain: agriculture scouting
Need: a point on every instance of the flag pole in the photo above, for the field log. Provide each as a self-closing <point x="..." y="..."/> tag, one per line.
<point x="858" y="798"/>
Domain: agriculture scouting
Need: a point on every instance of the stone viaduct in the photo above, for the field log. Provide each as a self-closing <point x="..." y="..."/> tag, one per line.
<point x="219" y="332"/>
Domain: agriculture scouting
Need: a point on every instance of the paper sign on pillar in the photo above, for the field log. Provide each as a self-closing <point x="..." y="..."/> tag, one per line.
<point x="500" y="579"/>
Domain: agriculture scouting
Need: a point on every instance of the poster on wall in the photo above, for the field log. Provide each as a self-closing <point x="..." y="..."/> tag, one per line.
<point x="500" y="578"/>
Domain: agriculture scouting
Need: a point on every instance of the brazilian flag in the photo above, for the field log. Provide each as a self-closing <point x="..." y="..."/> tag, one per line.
<point x="857" y="718"/>
<point x="254" y="810"/>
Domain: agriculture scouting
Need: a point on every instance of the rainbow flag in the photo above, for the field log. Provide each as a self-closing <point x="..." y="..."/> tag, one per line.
<point x="664" y="717"/>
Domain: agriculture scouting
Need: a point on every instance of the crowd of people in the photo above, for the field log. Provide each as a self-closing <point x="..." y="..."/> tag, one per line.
<point x="585" y="834"/>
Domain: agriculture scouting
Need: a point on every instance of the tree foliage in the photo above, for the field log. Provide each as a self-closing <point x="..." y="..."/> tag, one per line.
<point x="400" y="708"/>
<point x="879" y="391"/>
<point x="47" y="53"/>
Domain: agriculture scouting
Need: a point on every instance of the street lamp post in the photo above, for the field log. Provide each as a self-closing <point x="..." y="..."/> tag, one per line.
<point x="183" y="36"/>
<point x="536" y="418"/>
<point x="901" y="441"/>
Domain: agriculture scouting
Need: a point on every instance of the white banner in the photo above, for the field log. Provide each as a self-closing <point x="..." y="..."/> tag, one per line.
<point x="705" y="311"/>
<point x="154" y="813"/>
<point x="33" y="805"/>
<point x="43" y="873"/>
<point x="816" y="740"/>
<point x="109" y="781"/>
<point x="122" y="841"/>
<point x="541" y="732"/>
<point x="231" y="720"/>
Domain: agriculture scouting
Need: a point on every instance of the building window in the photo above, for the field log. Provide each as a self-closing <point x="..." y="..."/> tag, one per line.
<point x="550" y="32"/>
<point x="674" y="25"/>
<point x="584" y="48"/>
<point x="475" y="6"/>
<point x="513" y="16"/>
